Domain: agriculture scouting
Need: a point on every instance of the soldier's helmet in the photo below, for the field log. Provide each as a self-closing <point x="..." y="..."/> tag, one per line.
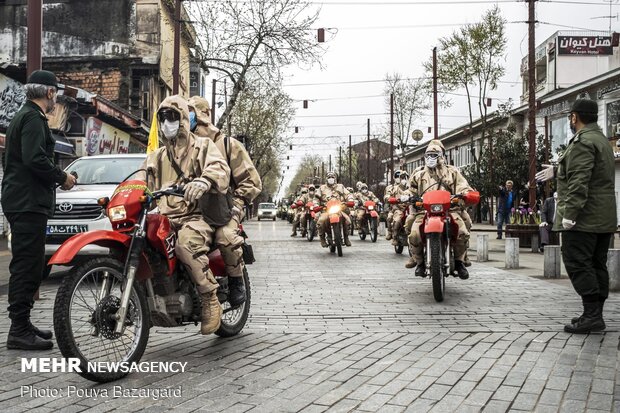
<point x="331" y="174"/>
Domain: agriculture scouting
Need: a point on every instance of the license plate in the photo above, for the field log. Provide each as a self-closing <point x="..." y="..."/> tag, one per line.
<point x="66" y="229"/>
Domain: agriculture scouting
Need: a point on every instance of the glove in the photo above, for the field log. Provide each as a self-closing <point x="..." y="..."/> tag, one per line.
<point x="404" y="198"/>
<point x="543" y="224"/>
<point x="194" y="190"/>
<point x="567" y="223"/>
<point x="545" y="174"/>
<point x="236" y="214"/>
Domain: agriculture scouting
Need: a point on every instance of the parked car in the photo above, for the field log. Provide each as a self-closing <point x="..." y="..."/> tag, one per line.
<point x="77" y="210"/>
<point x="267" y="210"/>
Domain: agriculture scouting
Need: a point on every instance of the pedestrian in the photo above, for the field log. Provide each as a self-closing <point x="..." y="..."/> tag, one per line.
<point x="547" y="214"/>
<point x="505" y="203"/>
<point x="484" y="209"/>
<point x="586" y="212"/>
<point x="28" y="199"/>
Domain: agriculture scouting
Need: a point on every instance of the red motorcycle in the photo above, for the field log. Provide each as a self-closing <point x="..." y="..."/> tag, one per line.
<point x="311" y="219"/>
<point x="105" y="307"/>
<point x="439" y="230"/>
<point x="335" y="234"/>
<point x="401" y="237"/>
<point x="370" y="221"/>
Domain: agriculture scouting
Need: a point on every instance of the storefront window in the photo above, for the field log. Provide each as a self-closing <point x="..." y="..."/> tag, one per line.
<point x="613" y="119"/>
<point x="560" y="134"/>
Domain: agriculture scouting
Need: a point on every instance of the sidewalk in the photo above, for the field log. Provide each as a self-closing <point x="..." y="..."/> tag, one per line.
<point x="530" y="263"/>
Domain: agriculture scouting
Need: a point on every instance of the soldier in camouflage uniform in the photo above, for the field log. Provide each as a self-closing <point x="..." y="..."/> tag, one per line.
<point x="327" y="191"/>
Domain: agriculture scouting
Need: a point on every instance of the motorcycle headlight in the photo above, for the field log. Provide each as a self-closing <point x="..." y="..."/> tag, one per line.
<point x="370" y="208"/>
<point x="334" y="210"/>
<point x="117" y="213"/>
<point x="436" y="208"/>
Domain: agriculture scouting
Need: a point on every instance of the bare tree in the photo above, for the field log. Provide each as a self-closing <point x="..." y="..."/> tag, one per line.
<point x="262" y="115"/>
<point x="411" y="99"/>
<point x="255" y="38"/>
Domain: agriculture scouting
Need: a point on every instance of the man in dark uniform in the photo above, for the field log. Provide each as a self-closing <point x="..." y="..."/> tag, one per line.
<point x="586" y="212"/>
<point x="28" y="196"/>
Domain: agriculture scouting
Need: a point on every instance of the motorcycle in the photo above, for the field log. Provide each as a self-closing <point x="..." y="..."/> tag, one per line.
<point x="311" y="219"/>
<point x="370" y="221"/>
<point x="334" y="236"/>
<point x="105" y="307"/>
<point x="401" y="237"/>
<point x="440" y="230"/>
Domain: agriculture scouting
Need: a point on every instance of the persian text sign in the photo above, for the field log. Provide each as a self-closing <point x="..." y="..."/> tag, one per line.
<point x="584" y="45"/>
<point x="102" y="138"/>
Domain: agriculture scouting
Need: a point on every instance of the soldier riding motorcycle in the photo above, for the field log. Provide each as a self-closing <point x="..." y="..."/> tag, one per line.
<point x="400" y="211"/>
<point x="367" y="213"/>
<point x="338" y="193"/>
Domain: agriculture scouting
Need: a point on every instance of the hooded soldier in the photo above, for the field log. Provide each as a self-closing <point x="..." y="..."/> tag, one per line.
<point x="307" y="195"/>
<point x="389" y="193"/>
<point x="198" y="164"/>
<point x="362" y="196"/>
<point x="332" y="190"/>
<point x="300" y="202"/>
<point x="245" y="185"/>
<point x="400" y="190"/>
<point x="436" y="175"/>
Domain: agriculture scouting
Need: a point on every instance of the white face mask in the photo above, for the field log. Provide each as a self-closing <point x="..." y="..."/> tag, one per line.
<point x="431" y="161"/>
<point x="331" y="181"/>
<point x="403" y="182"/>
<point x="397" y="181"/>
<point x="170" y="129"/>
<point x="364" y="191"/>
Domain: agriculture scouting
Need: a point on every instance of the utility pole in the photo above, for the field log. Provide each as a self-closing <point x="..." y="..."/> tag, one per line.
<point x="435" y="115"/>
<point x="547" y="153"/>
<point x="177" y="47"/>
<point x="350" y="165"/>
<point x="340" y="163"/>
<point x="391" y="177"/>
<point x="368" y="152"/>
<point x="330" y="162"/>
<point x="322" y="171"/>
<point x="35" y="27"/>
<point x="531" y="70"/>
<point x="214" y="83"/>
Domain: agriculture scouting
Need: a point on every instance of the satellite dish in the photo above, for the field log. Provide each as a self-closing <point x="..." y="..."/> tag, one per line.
<point x="417" y="135"/>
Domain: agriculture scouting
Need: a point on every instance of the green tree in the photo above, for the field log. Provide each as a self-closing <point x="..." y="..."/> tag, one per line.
<point x="306" y="172"/>
<point x="471" y="59"/>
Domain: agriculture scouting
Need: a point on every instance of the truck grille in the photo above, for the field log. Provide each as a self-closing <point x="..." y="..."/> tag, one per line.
<point x="77" y="211"/>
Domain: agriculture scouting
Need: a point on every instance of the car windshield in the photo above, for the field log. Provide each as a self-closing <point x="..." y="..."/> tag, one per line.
<point x="266" y="206"/>
<point x="92" y="171"/>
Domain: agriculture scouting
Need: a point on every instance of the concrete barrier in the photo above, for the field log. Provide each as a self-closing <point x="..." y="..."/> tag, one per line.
<point x="553" y="261"/>
<point x="613" y="267"/>
<point x="512" y="253"/>
<point x="482" y="248"/>
<point x="381" y="229"/>
<point x="535" y="238"/>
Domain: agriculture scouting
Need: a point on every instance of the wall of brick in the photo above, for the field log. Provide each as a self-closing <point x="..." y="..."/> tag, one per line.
<point x="104" y="82"/>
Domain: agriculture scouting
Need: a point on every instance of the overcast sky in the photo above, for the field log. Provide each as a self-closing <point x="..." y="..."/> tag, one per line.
<point x="369" y="40"/>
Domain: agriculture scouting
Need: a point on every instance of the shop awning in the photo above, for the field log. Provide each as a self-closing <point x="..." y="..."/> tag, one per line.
<point x="63" y="145"/>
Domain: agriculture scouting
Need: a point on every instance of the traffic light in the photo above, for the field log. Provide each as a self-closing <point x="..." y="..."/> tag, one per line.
<point x="296" y="129"/>
<point x="321" y="35"/>
<point x="305" y="104"/>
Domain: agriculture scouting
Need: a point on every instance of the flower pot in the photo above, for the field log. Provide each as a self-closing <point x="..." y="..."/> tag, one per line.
<point x="522" y="231"/>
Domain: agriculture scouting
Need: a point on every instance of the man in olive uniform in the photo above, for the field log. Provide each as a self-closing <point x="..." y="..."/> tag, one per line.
<point x="28" y="198"/>
<point x="586" y="212"/>
<point x="197" y="162"/>
<point x="332" y="190"/>
<point x="436" y="174"/>
<point x="245" y="185"/>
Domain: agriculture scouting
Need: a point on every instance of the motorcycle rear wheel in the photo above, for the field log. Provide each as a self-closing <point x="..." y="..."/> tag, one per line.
<point x="311" y="232"/>
<point x="78" y="302"/>
<point x="234" y="320"/>
<point x="436" y="267"/>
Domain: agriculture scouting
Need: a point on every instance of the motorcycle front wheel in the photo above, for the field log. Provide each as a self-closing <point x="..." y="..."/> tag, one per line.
<point x="373" y="230"/>
<point x="84" y="322"/>
<point x="337" y="231"/>
<point x="311" y="232"/>
<point x="437" y="277"/>
<point x="234" y="319"/>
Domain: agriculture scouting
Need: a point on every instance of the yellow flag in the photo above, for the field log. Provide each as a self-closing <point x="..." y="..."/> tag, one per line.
<point x="153" y="136"/>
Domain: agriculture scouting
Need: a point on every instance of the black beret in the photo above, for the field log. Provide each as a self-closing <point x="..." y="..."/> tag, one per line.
<point x="44" y="77"/>
<point x="585" y="106"/>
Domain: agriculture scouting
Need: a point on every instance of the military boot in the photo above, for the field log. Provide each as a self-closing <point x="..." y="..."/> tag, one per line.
<point x="323" y="241"/>
<point x="236" y="291"/>
<point x="346" y="239"/>
<point x="420" y="270"/>
<point x="44" y="334"/>
<point x="294" y="233"/>
<point x="461" y="271"/>
<point x="21" y="337"/>
<point x="411" y="263"/>
<point x="590" y="321"/>
<point x="388" y="236"/>
<point x="211" y="313"/>
<point x="601" y="302"/>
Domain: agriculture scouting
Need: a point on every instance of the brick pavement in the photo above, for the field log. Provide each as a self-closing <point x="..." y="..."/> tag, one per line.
<point x="359" y="333"/>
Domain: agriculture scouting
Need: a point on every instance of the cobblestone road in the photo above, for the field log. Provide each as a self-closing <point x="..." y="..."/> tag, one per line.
<point x="359" y="333"/>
